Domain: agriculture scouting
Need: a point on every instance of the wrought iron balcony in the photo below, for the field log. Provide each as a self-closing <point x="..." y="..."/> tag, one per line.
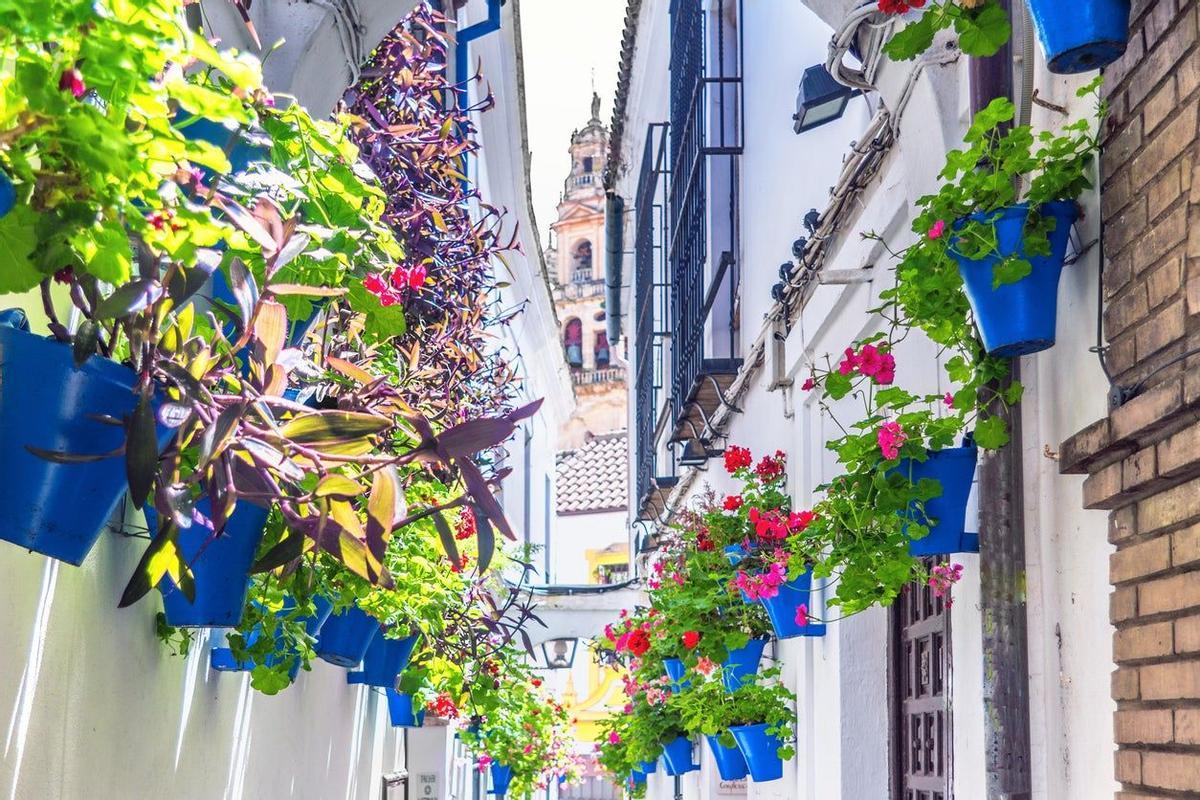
<point x="651" y="317"/>
<point x="589" y="377"/>
<point x="702" y="245"/>
<point x="579" y="290"/>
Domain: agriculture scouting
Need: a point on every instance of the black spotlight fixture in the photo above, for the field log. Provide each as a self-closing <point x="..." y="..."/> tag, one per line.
<point x="778" y="292"/>
<point x="821" y="99"/>
<point x="785" y="271"/>
<point x="798" y="247"/>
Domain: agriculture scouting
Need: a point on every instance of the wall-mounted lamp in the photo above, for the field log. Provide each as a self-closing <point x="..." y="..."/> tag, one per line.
<point x="560" y="653"/>
<point x="696" y="453"/>
<point x="821" y="99"/>
<point x="798" y="247"/>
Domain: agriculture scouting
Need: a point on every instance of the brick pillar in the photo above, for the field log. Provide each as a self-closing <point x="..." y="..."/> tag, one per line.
<point x="1143" y="460"/>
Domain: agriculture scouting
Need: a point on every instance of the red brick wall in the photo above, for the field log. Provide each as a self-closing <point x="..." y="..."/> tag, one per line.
<point x="1143" y="460"/>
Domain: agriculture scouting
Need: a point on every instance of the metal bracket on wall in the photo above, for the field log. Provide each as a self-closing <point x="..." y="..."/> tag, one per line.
<point x="844" y="277"/>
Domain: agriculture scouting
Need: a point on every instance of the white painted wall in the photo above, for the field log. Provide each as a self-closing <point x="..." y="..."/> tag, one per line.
<point x="574" y="535"/>
<point x="841" y="680"/>
<point x="94" y="706"/>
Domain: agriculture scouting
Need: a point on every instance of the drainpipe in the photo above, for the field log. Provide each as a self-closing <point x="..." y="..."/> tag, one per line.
<point x="1002" y="543"/>
<point x="614" y="253"/>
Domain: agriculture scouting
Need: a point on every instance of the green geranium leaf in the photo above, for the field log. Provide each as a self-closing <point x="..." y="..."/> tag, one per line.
<point x="837" y="385"/>
<point x="985" y="32"/>
<point x="383" y="322"/>
<point x="17" y="240"/>
<point x="991" y="433"/>
<point x="912" y="40"/>
<point x="1010" y="270"/>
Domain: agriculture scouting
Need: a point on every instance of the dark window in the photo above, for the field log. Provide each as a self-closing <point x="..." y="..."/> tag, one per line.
<point x="587" y="164"/>
<point x="601" y="350"/>
<point x="581" y="263"/>
<point x="573" y="342"/>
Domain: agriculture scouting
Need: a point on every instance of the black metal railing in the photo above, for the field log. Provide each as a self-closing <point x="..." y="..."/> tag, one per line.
<point x="706" y="141"/>
<point x="651" y="306"/>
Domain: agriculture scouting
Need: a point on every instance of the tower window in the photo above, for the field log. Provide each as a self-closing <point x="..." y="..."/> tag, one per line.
<point x="601" y="350"/>
<point x="573" y="343"/>
<point x="587" y="163"/>
<point x="581" y="263"/>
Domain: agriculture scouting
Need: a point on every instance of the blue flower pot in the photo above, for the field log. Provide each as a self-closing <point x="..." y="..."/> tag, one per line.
<point x="1019" y="318"/>
<point x="782" y="608"/>
<point x="636" y="778"/>
<point x="1081" y="36"/>
<point x="731" y="764"/>
<point x="56" y="509"/>
<point x="385" y="659"/>
<point x="222" y="660"/>
<point x="220" y="567"/>
<point x="207" y="130"/>
<point x="742" y="664"/>
<point x="8" y="194"/>
<point x="402" y="712"/>
<point x="675" y="671"/>
<point x="954" y="469"/>
<point x="736" y="554"/>
<point x="677" y="756"/>
<point x="761" y="750"/>
<point x="345" y="637"/>
<point x="649" y="767"/>
<point x="501" y="778"/>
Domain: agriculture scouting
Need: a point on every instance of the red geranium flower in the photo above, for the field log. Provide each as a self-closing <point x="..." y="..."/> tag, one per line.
<point x="736" y="458"/>
<point x="733" y="502"/>
<point x="691" y="639"/>
<point x="638" y="643"/>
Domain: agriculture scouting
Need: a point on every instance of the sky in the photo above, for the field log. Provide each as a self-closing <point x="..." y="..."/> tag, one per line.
<point x="566" y="43"/>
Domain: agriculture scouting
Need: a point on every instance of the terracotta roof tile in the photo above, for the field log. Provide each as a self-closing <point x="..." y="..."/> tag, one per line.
<point x="594" y="477"/>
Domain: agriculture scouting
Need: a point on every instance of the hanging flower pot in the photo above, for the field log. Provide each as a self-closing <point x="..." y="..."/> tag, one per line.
<point x="8" y="194"/>
<point x="675" y="671"/>
<point x="761" y="750"/>
<point x="742" y="664"/>
<point x="1018" y="318"/>
<point x="501" y="778"/>
<point x="1083" y="36"/>
<point x="736" y="553"/>
<point x="220" y="565"/>
<point x="346" y="636"/>
<point x="59" y="509"/>
<point x="677" y="756"/>
<point x="783" y="608"/>
<point x="402" y="710"/>
<point x="954" y="469"/>
<point x="221" y="658"/>
<point x="649" y="767"/>
<point x="385" y="659"/>
<point x="731" y="764"/>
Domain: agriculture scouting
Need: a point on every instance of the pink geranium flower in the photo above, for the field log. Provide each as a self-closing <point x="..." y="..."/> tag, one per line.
<point x="890" y="437"/>
<point x="937" y="229"/>
<point x="802" y="614"/>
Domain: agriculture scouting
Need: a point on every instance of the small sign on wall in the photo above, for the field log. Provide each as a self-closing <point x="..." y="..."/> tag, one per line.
<point x="732" y="788"/>
<point x="427" y="786"/>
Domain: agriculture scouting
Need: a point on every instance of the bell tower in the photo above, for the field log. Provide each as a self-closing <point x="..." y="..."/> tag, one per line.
<point x="576" y="260"/>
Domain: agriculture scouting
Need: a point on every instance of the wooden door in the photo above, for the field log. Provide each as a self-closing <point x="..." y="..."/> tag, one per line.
<point x="922" y="740"/>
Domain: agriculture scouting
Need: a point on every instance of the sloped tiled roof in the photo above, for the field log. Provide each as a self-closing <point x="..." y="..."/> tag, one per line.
<point x="593" y="477"/>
